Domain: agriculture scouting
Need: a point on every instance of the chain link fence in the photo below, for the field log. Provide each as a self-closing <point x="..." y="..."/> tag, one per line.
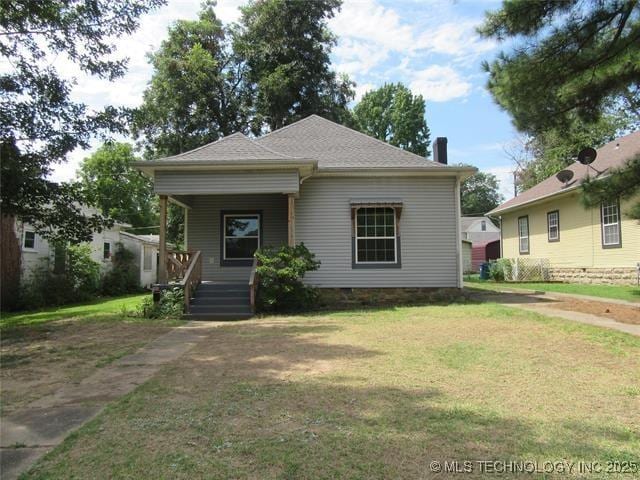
<point x="523" y="269"/>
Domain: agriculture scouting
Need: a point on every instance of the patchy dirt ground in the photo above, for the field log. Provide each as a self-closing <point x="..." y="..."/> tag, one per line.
<point x="38" y="360"/>
<point x="620" y="313"/>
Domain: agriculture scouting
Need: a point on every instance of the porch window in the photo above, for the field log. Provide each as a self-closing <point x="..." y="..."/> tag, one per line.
<point x="376" y="235"/>
<point x="241" y="236"/>
<point x="523" y="234"/>
<point x="611" y="235"/>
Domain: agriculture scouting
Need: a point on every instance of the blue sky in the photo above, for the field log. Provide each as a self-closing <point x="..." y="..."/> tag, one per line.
<point x="431" y="46"/>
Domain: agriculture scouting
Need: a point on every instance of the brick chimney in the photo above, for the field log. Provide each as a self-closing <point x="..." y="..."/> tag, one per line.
<point x="440" y="150"/>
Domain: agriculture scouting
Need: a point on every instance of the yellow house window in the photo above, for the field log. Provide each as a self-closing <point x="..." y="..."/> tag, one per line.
<point x="553" y="226"/>
<point x="610" y="220"/>
<point x="523" y="234"/>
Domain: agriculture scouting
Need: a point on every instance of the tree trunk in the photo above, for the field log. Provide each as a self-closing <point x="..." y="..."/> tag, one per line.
<point x="9" y="263"/>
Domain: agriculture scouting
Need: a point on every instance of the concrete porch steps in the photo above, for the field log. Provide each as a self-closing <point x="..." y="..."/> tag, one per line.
<point x="220" y="301"/>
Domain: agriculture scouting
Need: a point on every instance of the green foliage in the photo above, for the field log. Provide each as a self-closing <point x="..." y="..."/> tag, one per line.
<point x="286" y="46"/>
<point x="281" y="272"/>
<point x="501" y="269"/>
<point x="622" y="183"/>
<point x="117" y="188"/>
<point x="480" y="194"/>
<point x="171" y="305"/>
<point x="198" y="90"/>
<point x="123" y="276"/>
<point x="570" y="58"/>
<point x="78" y="282"/>
<point x="39" y="121"/>
<point x="393" y="114"/>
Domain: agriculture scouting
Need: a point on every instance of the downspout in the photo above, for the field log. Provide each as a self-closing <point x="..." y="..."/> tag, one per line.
<point x="459" y="268"/>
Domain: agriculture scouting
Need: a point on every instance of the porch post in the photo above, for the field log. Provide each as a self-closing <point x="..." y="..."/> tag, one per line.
<point x="291" y="219"/>
<point x="162" y="267"/>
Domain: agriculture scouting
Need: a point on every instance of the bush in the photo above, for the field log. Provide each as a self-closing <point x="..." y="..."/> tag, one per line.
<point x="171" y="304"/>
<point x="500" y="270"/>
<point x="77" y="281"/>
<point x="122" y="277"/>
<point x="281" y="272"/>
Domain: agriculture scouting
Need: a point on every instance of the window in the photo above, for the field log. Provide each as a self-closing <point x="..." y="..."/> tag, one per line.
<point x="29" y="240"/>
<point x="147" y="257"/>
<point x="106" y="250"/>
<point x="483" y="225"/>
<point x="241" y="236"/>
<point x="553" y="226"/>
<point x="375" y="235"/>
<point x="523" y="234"/>
<point x="611" y="235"/>
<point x="59" y="258"/>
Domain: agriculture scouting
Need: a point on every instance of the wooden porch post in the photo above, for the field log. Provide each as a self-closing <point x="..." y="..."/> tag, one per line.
<point x="291" y="219"/>
<point x="162" y="267"/>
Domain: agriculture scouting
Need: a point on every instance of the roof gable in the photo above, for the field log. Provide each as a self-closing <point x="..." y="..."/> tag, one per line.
<point x="611" y="156"/>
<point x="337" y="146"/>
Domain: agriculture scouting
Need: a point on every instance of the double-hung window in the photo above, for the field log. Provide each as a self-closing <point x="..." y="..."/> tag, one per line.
<point x="106" y="251"/>
<point x="523" y="234"/>
<point x="375" y="236"/>
<point x="553" y="226"/>
<point x="610" y="215"/>
<point x="147" y="258"/>
<point x="241" y="236"/>
<point x="29" y="240"/>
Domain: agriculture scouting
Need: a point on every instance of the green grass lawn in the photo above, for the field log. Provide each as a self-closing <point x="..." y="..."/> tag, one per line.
<point x="619" y="292"/>
<point x="93" y="309"/>
<point x="370" y="395"/>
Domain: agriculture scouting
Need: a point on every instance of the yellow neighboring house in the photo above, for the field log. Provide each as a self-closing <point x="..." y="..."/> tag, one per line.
<point x="547" y="223"/>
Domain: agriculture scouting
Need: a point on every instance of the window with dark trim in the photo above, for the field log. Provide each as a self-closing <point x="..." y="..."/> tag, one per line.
<point x="523" y="234"/>
<point x="29" y="240"/>
<point x="241" y="236"/>
<point x="610" y="224"/>
<point x="483" y="225"/>
<point x="375" y="235"/>
<point x="106" y="250"/>
<point x="553" y="226"/>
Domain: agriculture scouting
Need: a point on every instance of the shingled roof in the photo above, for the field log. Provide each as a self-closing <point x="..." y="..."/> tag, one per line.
<point x="336" y="146"/>
<point x="233" y="147"/>
<point x="312" y="140"/>
<point x="611" y="156"/>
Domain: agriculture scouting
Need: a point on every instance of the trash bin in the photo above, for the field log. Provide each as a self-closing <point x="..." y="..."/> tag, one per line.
<point x="484" y="271"/>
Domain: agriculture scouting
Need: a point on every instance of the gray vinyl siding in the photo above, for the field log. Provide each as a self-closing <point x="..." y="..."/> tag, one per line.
<point x="204" y="182"/>
<point x="204" y="229"/>
<point x="427" y="231"/>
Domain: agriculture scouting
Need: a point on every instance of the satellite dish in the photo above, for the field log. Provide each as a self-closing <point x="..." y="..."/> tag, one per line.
<point x="564" y="176"/>
<point x="587" y="155"/>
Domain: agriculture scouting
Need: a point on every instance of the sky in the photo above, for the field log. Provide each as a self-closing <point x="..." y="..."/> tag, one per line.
<point x="430" y="46"/>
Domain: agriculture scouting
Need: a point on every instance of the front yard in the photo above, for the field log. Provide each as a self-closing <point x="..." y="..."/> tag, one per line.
<point x="630" y="293"/>
<point x="43" y="350"/>
<point x="371" y="394"/>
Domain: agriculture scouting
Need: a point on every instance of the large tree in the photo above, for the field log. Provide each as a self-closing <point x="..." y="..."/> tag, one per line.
<point x="393" y="114"/>
<point x="286" y="45"/>
<point x="570" y="58"/>
<point x="480" y="194"/>
<point x="546" y="153"/>
<point x="198" y="91"/>
<point x="40" y="123"/>
<point x="114" y="185"/>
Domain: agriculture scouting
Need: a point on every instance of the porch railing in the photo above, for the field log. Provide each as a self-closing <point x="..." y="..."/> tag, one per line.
<point x="254" y="281"/>
<point x="191" y="279"/>
<point x="177" y="264"/>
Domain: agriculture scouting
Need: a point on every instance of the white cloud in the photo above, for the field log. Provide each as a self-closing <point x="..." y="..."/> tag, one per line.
<point x="457" y="39"/>
<point x="505" y="177"/>
<point x="361" y="89"/>
<point x="439" y="83"/>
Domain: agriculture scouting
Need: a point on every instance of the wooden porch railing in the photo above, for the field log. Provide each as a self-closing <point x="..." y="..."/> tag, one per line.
<point x="191" y="279"/>
<point x="254" y="281"/>
<point x="177" y="264"/>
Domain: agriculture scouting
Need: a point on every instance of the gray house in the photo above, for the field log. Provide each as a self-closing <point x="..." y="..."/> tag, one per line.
<point x="375" y="216"/>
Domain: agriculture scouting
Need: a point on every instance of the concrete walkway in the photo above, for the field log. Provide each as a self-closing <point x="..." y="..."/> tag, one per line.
<point x="31" y="432"/>
<point x="542" y="302"/>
